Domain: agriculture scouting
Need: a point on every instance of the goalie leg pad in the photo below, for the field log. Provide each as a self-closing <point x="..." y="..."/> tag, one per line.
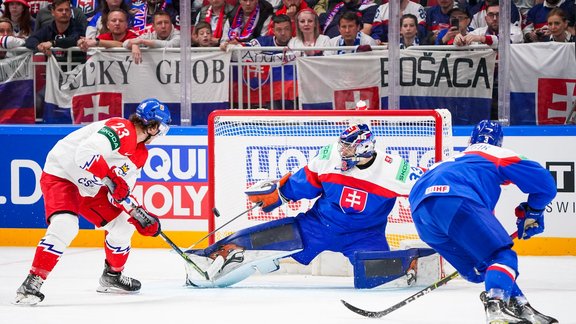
<point x="239" y="255"/>
<point x="374" y="268"/>
<point x="279" y="235"/>
<point x="233" y="272"/>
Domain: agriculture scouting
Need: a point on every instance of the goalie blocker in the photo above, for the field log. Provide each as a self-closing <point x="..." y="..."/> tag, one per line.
<point x="261" y="247"/>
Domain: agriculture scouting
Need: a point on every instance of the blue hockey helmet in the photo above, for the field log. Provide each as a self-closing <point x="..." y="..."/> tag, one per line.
<point x="489" y="132"/>
<point x="356" y="142"/>
<point x="153" y="110"/>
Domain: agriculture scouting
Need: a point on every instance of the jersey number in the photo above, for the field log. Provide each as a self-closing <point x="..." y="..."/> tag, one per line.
<point x="120" y="129"/>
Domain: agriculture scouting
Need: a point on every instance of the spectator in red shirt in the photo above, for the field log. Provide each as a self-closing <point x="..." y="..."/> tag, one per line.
<point x="289" y="8"/>
<point x="117" y="24"/>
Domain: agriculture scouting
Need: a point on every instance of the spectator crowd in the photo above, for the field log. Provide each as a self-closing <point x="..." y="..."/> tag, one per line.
<point x="42" y="24"/>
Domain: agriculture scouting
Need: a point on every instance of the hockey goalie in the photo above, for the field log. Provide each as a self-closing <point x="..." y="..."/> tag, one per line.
<point x="356" y="187"/>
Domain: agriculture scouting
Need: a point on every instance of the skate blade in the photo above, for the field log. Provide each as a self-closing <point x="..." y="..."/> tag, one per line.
<point x="114" y="290"/>
<point x="22" y="300"/>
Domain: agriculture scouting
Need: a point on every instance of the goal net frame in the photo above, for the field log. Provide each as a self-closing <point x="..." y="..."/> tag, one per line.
<point x="231" y="200"/>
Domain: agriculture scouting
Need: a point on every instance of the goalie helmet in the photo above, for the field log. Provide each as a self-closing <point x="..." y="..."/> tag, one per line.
<point x="489" y="132"/>
<point x="356" y="142"/>
<point x="153" y="110"/>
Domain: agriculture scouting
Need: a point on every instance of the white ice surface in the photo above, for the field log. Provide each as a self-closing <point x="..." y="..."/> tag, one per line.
<point x="71" y="297"/>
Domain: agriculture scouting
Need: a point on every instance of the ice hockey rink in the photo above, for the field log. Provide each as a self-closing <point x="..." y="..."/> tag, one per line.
<point x="71" y="297"/>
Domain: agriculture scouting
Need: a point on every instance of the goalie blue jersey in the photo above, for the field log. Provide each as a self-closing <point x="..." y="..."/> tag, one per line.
<point x="353" y="200"/>
<point x="477" y="174"/>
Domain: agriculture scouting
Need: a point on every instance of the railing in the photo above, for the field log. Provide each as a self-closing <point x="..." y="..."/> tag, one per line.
<point x="246" y="62"/>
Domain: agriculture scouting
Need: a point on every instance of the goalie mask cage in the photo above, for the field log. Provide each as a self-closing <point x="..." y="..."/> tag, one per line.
<point x="246" y="146"/>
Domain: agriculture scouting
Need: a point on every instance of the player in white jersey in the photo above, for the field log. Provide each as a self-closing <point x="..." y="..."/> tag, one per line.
<point x="356" y="187"/>
<point x="89" y="173"/>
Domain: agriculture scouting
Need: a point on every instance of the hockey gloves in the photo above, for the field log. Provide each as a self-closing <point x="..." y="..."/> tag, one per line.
<point x="146" y="223"/>
<point x="530" y="221"/>
<point x="120" y="190"/>
<point x="268" y="193"/>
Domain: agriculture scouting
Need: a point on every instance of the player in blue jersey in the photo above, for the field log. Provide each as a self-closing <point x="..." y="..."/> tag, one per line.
<point x="356" y="187"/>
<point x="452" y="207"/>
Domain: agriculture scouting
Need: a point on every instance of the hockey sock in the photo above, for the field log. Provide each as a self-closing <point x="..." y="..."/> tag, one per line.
<point x="60" y="233"/>
<point x="501" y="277"/>
<point x="116" y="256"/>
<point x="117" y="242"/>
<point x="516" y="292"/>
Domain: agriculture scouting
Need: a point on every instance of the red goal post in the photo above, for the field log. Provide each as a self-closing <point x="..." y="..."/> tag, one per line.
<point x="246" y="146"/>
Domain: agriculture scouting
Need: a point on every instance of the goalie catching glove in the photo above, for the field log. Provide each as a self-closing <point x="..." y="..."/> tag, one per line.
<point x="146" y="223"/>
<point x="268" y="193"/>
<point x="530" y="221"/>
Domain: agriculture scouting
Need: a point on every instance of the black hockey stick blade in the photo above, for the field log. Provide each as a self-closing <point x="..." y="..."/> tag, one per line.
<point x="378" y="314"/>
<point x="184" y="255"/>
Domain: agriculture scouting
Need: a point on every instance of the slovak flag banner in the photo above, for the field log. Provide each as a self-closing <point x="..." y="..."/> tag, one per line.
<point x="110" y="84"/>
<point x="542" y="83"/>
<point x="271" y="81"/>
<point x="460" y="81"/>
<point x="17" y="90"/>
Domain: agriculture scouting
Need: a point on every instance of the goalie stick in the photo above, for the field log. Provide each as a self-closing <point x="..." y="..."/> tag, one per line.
<point x="130" y="203"/>
<point x="217" y="214"/>
<point x="382" y="313"/>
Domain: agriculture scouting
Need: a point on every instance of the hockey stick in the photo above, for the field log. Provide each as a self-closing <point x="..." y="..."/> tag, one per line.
<point x="217" y="213"/>
<point x="379" y="314"/>
<point x="129" y="203"/>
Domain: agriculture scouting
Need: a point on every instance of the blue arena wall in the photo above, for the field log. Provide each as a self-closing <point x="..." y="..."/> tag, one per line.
<point x="185" y="217"/>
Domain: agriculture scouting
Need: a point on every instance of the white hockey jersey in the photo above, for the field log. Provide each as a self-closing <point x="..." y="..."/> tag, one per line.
<point x="114" y="140"/>
<point x="356" y="199"/>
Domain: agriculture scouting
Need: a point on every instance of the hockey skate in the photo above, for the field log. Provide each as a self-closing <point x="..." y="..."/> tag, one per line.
<point x="116" y="282"/>
<point x="29" y="292"/>
<point x="523" y="309"/>
<point x="498" y="313"/>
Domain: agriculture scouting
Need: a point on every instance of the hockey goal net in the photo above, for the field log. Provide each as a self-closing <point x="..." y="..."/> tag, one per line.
<point x="246" y="146"/>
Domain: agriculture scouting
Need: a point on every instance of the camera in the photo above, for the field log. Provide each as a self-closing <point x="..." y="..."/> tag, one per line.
<point x="454" y="22"/>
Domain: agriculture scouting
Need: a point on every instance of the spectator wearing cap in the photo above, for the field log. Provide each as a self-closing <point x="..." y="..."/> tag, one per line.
<point x="349" y="26"/>
<point x="7" y="38"/>
<point x="18" y="11"/>
<point x="459" y="25"/>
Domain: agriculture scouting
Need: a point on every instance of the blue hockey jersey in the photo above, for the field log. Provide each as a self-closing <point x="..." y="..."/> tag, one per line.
<point x="477" y="174"/>
<point x="351" y="200"/>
